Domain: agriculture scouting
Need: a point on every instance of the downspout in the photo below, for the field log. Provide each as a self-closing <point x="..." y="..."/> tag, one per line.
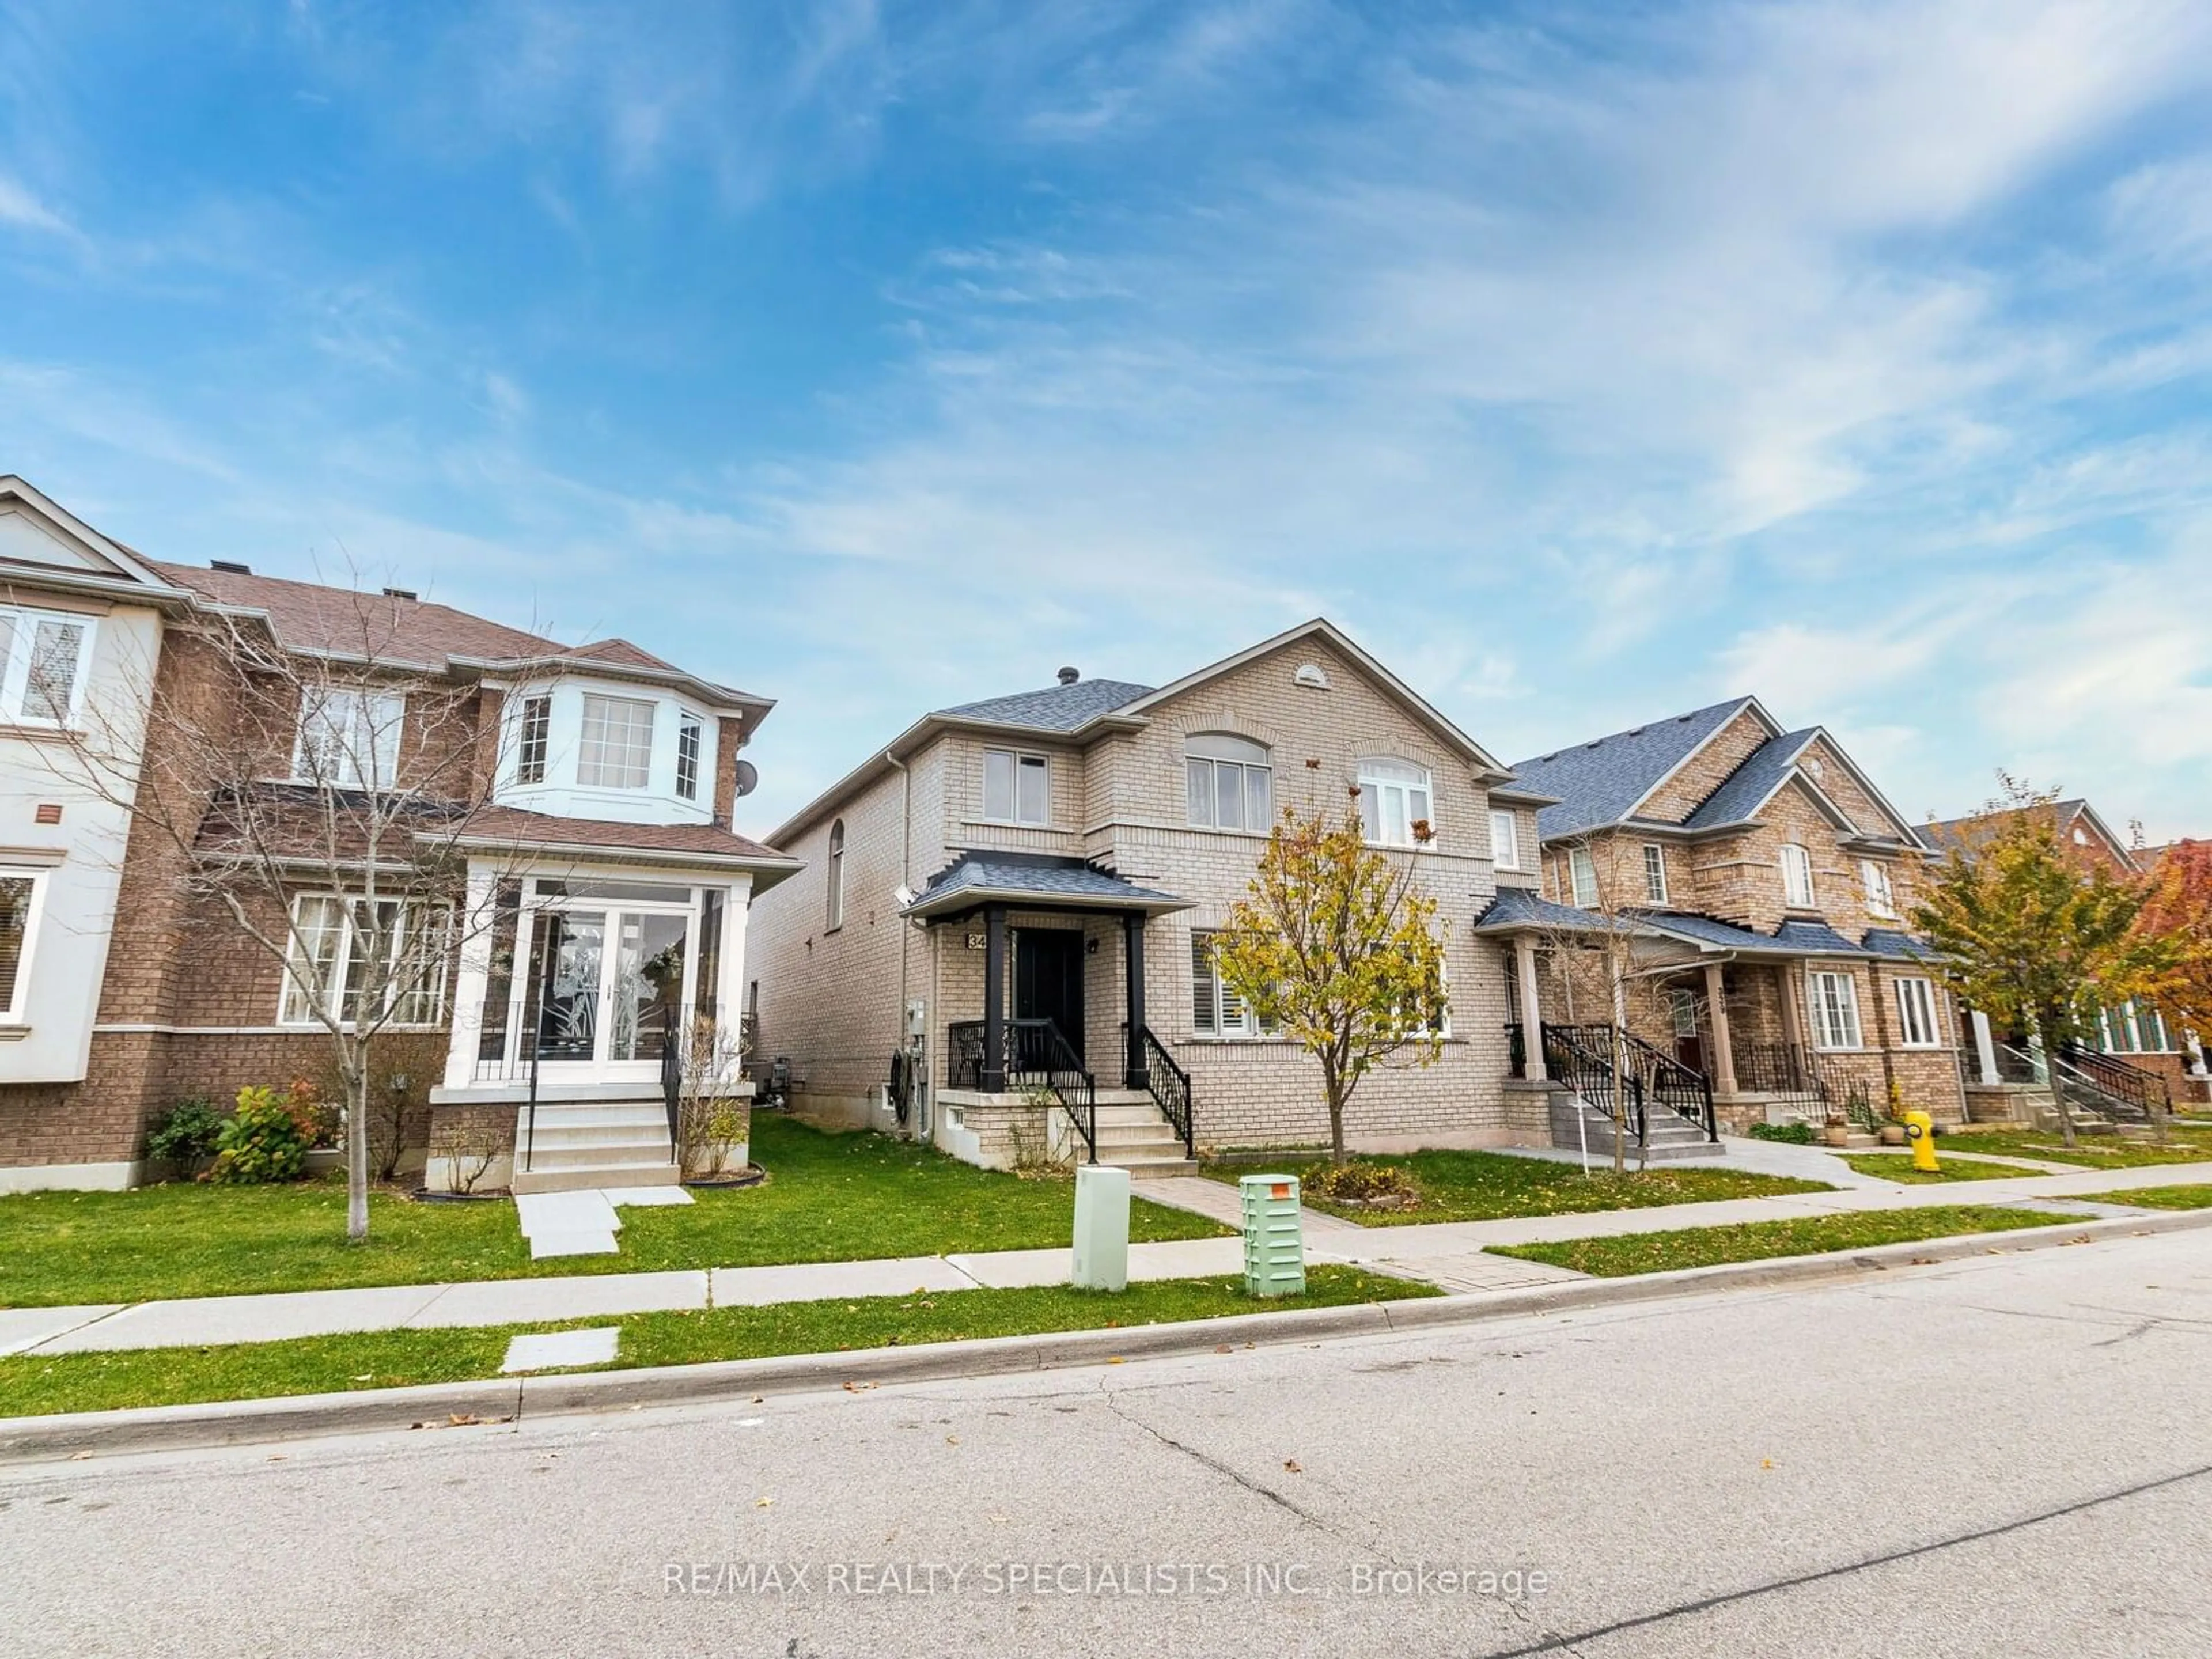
<point x="906" y="880"/>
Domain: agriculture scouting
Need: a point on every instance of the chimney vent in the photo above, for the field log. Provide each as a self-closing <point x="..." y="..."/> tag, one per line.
<point x="232" y="566"/>
<point x="1069" y="675"/>
<point x="398" y="593"/>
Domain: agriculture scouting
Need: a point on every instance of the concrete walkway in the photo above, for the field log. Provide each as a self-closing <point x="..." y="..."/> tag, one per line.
<point x="1450" y="1254"/>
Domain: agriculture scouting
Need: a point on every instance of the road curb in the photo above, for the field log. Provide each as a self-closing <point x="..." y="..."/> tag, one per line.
<point x="506" y="1401"/>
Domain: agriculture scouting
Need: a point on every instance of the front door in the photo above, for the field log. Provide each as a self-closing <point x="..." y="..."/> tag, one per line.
<point x="1689" y="1050"/>
<point x="1049" y="979"/>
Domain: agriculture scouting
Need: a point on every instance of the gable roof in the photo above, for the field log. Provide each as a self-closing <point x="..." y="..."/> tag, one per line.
<point x="978" y="878"/>
<point x="1958" y="835"/>
<point x="1754" y="783"/>
<point x="1056" y="709"/>
<point x="98" y="565"/>
<point x="1603" y="782"/>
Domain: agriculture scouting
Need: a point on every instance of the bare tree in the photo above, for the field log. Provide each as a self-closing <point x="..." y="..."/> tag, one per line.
<point x="318" y="800"/>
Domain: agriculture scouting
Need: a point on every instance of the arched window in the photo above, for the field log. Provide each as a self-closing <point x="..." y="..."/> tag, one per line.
<point x="1393" y="797"/>
<point x="1229" y="782"/>
<point x="836" y="875"/>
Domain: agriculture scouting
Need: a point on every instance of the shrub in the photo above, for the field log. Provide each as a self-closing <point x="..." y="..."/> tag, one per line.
<point x="267" y="1141"/>
<point x="1360" y="1183"/>
<point x="1797" y="1134"/>
<point x="185" y="1136"/>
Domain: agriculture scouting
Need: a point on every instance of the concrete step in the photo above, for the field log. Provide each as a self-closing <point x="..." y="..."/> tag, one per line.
<point x="598" y="1116"/>
<point x="642" y="1154"/>
<point x="546" y="1134"/>
<point x="658" y="1173"/>
<point x="1153" y="1168"/>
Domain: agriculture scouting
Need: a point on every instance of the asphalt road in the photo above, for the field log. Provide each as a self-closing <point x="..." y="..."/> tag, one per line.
<point x="2006" y="1456"/>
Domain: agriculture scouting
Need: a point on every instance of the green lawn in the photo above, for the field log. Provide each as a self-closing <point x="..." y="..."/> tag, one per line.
<point x="829" y="1198"/>
<point x="1755" y="1241"/>
<point x="387" y="1359"/>
<point x="1898" y="1166"/>
<point x="2187" y="1144"/>
<point x="1467" y="1186"/>
<point x="2158" y="1198"/>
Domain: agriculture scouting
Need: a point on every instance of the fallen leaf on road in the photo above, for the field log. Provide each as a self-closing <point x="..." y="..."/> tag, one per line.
<point x="1117" y="1360"/>
<point x="461" y="1419"/>
<point x="1223" y="1347"/>
<point x="763" y="1502"/>
<point x="1291" y="1464"/>
<point x="952" y="1439"/>
<point x="1767" y="1462"/>
<point x="858" y="1388"/>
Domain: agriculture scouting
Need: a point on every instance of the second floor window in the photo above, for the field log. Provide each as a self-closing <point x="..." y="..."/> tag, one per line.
<point x="1504" y="840"/>
<point x="1655" y="873"/>
<point x="349" y="739"/>
<point x="1229" y="783"/>
<point x="1582" y="877"/>
<point x="1394" y="797"/>
<point x="1016" y="787"/>
<point x="42" y="659"/>
<point x="835" y="917"/>
<point x="691" y="734"/>
<point x="1796" y="876"/>
<point x="617" y="752"/>
<point x="1880" y="897"/>
<point x="533" y="730"/>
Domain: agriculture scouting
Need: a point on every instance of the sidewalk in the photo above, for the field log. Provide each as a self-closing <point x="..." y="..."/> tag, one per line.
<point x="1449" y="1255"/>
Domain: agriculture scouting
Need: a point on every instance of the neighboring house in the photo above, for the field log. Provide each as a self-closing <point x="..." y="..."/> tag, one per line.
<point x="586" y="791"/>
<point x="2130" y="1037"/>
<point x="1019" y="893"/>
<point x="82" y="622"/>
<point x="1759" y="883"/>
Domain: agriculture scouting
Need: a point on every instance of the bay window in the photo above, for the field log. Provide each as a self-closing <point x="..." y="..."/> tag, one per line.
<point x="691" y="734"/>
<point x="1395" y="803"/>
<point x="1229" y="783"/>
<point x="617" y="752"/>
<point x="533" y="732"/>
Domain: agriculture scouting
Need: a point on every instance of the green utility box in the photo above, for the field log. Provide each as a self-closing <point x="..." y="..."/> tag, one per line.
<point x="1274" y="1238"/>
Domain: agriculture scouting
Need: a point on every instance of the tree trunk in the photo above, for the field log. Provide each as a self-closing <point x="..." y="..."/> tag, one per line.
<point x="1620" y="1101"/>
<point x="2057" y="1082"/>
<point x="356" y="1111"/>
<point x="1333" y="1086"/>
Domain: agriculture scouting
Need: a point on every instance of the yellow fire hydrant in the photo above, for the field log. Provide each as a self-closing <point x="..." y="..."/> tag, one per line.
<point x="1920" y="1136"/>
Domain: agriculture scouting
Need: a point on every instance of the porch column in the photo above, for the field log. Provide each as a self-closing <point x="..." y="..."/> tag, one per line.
<point x="1136" y="1073"/>
<point x="473" y="982"/>
<point x="1985" y="1047"/>
<point x="1724" y="1048"/>
<point x="993" y="1079"/>
<point x="1532" y="1023"/>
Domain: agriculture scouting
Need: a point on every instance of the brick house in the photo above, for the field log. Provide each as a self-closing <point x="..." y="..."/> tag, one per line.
<point x="600" y="895"/>
<point x="1758" y="882"/>
<point x="1021" y="889"/>
<point x="2127" y="1039"/>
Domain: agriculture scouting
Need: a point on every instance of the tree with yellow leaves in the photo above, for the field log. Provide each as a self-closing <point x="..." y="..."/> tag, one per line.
<point x="1334" y="947"/>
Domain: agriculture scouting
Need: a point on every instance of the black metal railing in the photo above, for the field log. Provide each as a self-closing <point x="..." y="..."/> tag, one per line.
<point x="1037" y="1057"/>
<point x="1789" y="1071"/>
<point x="1168" y="1085"/>
<point x="1581" y="1057"/>
<point x="2115" y="1086"/>
<point x="1684" y="1090"/>
<point x="1517" y="1049"/>
<point x="672" y="1094"/>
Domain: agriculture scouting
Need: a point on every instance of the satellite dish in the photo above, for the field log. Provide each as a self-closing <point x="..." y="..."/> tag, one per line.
<point x="748" y="777"/>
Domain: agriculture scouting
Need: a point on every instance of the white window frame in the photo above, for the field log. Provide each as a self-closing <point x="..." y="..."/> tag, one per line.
<point x="2120" y="1030"/>
<point x="833" y="912"/>
<point x="586" y="759"/>
<point x="690" y="750"/>
<point x="18" y="992"/>
<point x="1880" y="891"/>
<point x="1835" y="1026"/>
<point x="1655" y="873"/>
<point x="1219" y="757"/>
<point x="1918" y="1026"/>
<point x="1797" y="889"/>
<point x="373" y="719"/>
<point x="1021" y="766"/>
<point x="1231" y="1016"/>
<point x="1581" y="878"/>
<point x="1389" y="788"/>
<point x="20" y="627"/>
<point x="533" y="738"/>
<point x="296" y="1001"/>
<point x="1504" y="840"/>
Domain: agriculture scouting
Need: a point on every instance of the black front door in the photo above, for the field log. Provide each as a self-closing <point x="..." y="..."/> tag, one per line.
<point x="1049" y="980"/>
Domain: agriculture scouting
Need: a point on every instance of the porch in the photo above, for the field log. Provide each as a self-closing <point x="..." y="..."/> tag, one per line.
<point x="1040" y="968"/>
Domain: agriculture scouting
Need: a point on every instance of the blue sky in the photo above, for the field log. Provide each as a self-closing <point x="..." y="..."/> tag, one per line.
<point x="1587" y="364"/>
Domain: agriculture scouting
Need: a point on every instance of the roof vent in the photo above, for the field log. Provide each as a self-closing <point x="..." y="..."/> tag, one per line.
<point x="398" y="593"/>
<point x="232" y="566"/>
<point x="1069" y="675"/>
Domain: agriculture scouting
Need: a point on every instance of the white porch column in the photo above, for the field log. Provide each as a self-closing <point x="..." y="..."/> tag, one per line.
<point x="1723" y="1048"/>
<point x="729" y="991"/>
<point x="2196" y="1065"/>
<point x="1985" y="1047"/>
<point x="1532" y="1024"/>
<point x="466" y="1029"/>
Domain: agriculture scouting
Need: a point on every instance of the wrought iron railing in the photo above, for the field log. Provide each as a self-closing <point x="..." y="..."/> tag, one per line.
<point x="1581" y="1057"/>
<point x="1037" y="1057"/>
<point x="1168" y="1085"/>
<point x="1682" y="1089"/>
<point x="1517" y="1049"/>
<point x="672" y="1095"/>
<point x="1789" y="1071"/>
<point x="2115" y="1087"/>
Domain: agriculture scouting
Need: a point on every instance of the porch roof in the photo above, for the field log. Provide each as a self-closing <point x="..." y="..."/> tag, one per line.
<point x="1040" y="881"/>
<point x="1516" y="909"/>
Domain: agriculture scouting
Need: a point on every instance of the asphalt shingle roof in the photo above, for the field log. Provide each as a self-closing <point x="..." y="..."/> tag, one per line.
<point x="1516" y="907"/>
<point x="1746" y="789"/>
<point x="1055" y="709"/>
<point x="1600" y="782"/>
<point x="1891" y="942"/>
<point x="1045" y="879"/>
